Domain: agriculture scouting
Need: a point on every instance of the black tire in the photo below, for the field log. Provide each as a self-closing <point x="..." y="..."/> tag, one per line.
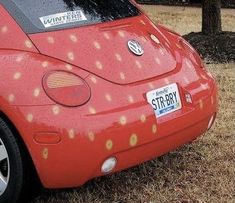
<point x="16" y="183"/>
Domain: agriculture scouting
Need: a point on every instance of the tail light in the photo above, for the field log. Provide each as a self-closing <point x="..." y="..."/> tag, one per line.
<point x="66" y="88"/>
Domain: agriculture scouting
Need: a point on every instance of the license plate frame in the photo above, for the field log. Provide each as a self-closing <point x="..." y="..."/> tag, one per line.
<point x="165" y="100"/>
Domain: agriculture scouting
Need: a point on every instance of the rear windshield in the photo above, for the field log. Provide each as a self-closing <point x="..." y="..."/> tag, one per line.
<point x="52" y="14"/>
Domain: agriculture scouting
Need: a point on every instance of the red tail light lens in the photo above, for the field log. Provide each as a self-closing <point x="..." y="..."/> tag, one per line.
<point x="66" y="88"/>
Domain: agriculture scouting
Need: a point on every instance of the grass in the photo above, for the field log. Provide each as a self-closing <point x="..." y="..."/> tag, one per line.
<point x="203" y="171"/>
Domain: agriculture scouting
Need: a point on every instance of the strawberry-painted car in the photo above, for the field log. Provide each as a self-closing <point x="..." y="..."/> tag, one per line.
<point x="90" y="88"/>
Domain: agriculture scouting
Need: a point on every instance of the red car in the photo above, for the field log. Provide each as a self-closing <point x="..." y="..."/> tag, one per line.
<point x="89" y="88"/>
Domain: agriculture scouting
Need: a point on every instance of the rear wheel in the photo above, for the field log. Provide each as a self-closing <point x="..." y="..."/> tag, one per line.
<point x="11" y="166"/>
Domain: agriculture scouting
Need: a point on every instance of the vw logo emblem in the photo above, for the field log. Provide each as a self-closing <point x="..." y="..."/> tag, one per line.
<point x="135" y="47"/>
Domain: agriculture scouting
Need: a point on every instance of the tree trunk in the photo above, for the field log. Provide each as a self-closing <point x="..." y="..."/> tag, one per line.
<point x="211" y="17"/>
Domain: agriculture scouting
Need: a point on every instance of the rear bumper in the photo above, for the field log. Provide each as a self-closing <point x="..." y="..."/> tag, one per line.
<point x="159" y="147"/>
<point x="78" y="156"/>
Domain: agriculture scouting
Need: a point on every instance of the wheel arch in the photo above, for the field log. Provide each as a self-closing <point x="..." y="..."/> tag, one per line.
<point x="23" y="149"/>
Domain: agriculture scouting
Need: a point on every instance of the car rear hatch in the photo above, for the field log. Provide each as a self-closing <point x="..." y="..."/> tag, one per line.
<point x="102" y="49"/>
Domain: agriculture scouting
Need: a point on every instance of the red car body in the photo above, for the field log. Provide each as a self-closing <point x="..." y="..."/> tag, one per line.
<point x="69" y="144"/>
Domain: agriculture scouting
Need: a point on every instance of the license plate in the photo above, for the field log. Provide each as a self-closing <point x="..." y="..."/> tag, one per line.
<point x="165" y="100"/>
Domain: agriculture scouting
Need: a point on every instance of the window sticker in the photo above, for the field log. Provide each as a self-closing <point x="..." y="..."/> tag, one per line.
<point x="62" y="18"/>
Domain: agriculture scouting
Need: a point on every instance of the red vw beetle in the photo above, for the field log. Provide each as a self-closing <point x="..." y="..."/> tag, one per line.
<point x="92" y="87"/>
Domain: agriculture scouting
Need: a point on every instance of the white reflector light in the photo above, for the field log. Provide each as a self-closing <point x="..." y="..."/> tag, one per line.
<point x="108" y="165"/>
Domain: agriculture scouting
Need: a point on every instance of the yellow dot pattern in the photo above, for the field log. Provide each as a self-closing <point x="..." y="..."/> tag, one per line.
<point x="56" y="110"/>
<point x="45" y="153"/>
<point x="36" y="92"/>
<point x="50" y="40"/>
<point x="71" y="56"/>
<point x="97" y="45"/>
<point x="19" y="59"/>
<point x="92" y="110"/>
<point x="11" y="97"/>
<point x="123" y="120"/>
<point x="17" y="76"/>
<point x="138" y="64"/>
<point x="109" y="144"/>
<point x="154" y="128"/>
<point x="122" y="76"/>
<point x="73" y="38"/>
<point x="93" y="79"/>
<point x="130" y="99"/>
<point x="91" y="136"/>
<point x="4" y="29"/>
<point x="121" y="34"/>
<point x="99" y="65"/>
<point x="44" y="64"/>
<point x="118" y="57"/>
<point x="143" y="118"/>
<point x="71" y="134"/>
<point x="201" y="105"/>
<point x="108" y="97"/>
<point x="29" y="118"/>
<point x="69" y="67"/>
<point x="28" y="44"/>
<point x="133" y="140"/>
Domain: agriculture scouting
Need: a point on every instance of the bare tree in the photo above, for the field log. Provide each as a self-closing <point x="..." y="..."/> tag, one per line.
<point x="211" y="17"/>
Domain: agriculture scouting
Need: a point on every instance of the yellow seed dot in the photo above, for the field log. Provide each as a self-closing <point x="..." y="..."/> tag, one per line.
<point x="108" y="97"/>
<point x="36" y="92"/>
<point x="91" y="136"/>
<point x="97" y="45"/>
<point x="50" y="40"/>
<point x="45" y="153"/>
<point x="17" y="75"/>
<point x="154" y="128"/>
<point x="71" y="56"/>
<point x="118" y="57"/>
<point x="133" y="140"/>
<point x="143" y="118"/>
<point x="201" y="105"/>
<point x="151" y="86"/>
<point x="28" y="44"/>
<point x="71" y="134"/>
<point x="92" y="110"/>
<point x="122" y="76"/>
<point x="73" y="38"/>
<point x="109" y="144"/>
<point x="157" y="60"/>
<point x="4" y="29"/>
<point x="106" y="35"/>
<point x="30" y="118"/>
<point x="93" y="79"/>
<point x="121" y="34"/>
<point x="19" y="59"/>
<point x="44" y="64"/>
<point x="142" y="22"/>
<point x="56" y="110"/>
<point x="68" y="67"/>
<point x="130" y="99"/>
<point x="123" y="120"/>
<point x="166" y="80"/>
<point x="99" y="65"/>
<point x="138" y="64"/>
<point x="11" y="97"/>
